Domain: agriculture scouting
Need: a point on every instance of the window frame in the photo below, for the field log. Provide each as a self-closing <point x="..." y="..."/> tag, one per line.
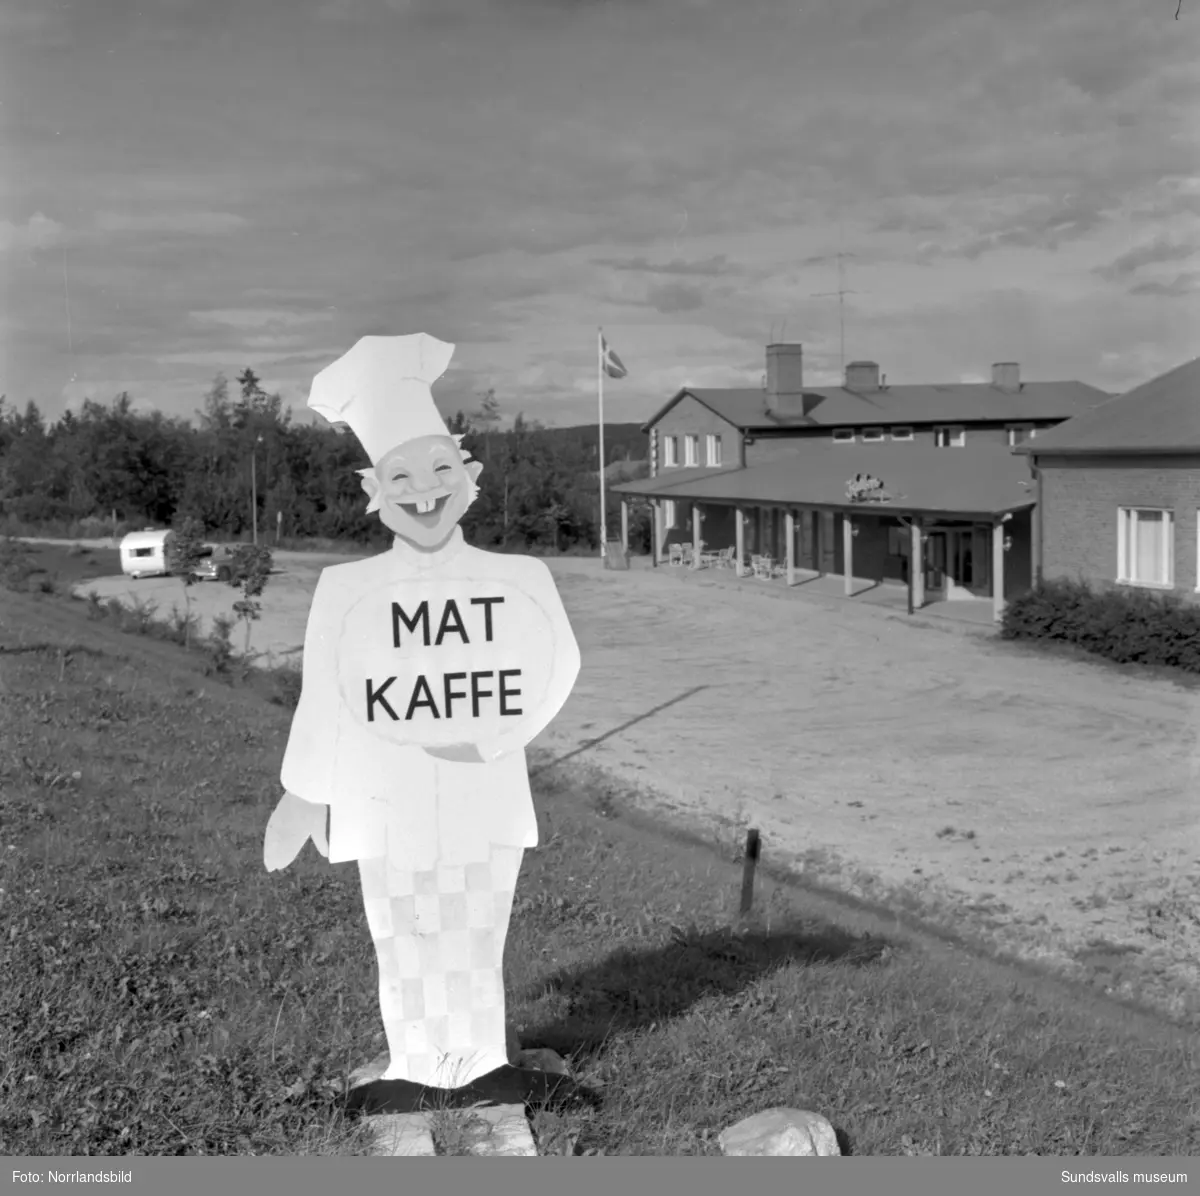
<point x="1127" y="546"/>
<point x="868" y="436"/>
<point x="843" y="436"/>
<point x="712" y="450"/>
<point x="670" y="452"/>
<point x="956" y="435"/>
<point x="1012" y="429"/>
<point x="691" y="450"/>
<point x="895" y="432"/>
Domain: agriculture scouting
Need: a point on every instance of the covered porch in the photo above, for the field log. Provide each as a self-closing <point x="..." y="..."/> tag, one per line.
<point x="921" y="556"/>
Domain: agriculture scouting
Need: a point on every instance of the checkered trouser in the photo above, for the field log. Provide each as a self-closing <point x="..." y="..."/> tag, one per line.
<point x="439" y="939"/>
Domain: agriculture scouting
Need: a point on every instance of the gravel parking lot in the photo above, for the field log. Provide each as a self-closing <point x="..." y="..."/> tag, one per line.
<point x="1048" y="805"/>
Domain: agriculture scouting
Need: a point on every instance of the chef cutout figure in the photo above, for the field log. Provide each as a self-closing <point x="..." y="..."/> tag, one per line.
<point x="427" y="670"/>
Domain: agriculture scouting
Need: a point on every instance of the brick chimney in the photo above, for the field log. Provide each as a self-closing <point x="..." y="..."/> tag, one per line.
<point x="1006" y="375"/>
<point x="862" y="375"/>
<point x="785" y="381"/>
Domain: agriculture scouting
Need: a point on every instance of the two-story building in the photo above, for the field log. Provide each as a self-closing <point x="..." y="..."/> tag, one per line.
<point x="779" y="472"/>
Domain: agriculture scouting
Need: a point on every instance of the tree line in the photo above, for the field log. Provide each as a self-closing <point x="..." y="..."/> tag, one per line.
<point x="538" y="491"/>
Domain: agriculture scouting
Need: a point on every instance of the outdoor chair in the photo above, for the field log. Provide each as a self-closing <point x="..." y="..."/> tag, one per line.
<point x="761" y="566"/>
<point x="675" y="554"/>
<point x="710" y="558"/>
<point x="686" y="560"/>
<point x="724" y="558"/>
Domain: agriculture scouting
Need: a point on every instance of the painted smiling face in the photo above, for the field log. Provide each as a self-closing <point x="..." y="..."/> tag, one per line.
<point x="421" y="489"/>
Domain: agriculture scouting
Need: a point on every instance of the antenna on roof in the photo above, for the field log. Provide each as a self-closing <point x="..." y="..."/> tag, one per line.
<point x="841" y="294"/>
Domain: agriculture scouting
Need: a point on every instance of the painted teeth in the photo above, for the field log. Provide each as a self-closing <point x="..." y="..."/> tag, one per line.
<point x="423" y="508"/>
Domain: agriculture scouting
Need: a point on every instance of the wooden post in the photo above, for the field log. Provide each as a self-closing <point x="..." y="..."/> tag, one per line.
<point x="848" y="554"/>
<point x="695" y="535"/>
<point x="748" y="866"/>
<point x="625" y="526"/>
<point x="791" y="547"/>
<point x="916" y="564"/>
<point x="739" y="523"/>
<point x="998" y="571"/>
<point x="658" y="534"/>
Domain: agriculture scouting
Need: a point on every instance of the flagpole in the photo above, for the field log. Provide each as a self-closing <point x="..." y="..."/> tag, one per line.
<point x="600" y="405"/>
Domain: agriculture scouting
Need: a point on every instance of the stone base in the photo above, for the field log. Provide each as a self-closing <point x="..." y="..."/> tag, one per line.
<point x="404" y="1134"/>
<point x="506" y="1085"/>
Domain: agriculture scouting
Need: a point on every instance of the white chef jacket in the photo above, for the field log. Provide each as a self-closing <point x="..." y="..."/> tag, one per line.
<point x="397" y="800"/>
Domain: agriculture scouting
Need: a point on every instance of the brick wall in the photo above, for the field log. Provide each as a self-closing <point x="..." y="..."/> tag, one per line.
<point x="1080" y="498"/>
<point x="690" y="417"/>
<point x="765" y="450"/>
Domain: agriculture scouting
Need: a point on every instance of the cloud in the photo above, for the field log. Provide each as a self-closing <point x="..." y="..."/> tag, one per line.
<point x="1187" y="283"/>
<point x="1161" y="249"/>
<point x="674" y="297"/>
<point x="257" y="317"/>
<point x="188" y="223"/>
<point x="1046" y="225"/>
<point x="38" y="232"/>
<point x="710" y="268"/>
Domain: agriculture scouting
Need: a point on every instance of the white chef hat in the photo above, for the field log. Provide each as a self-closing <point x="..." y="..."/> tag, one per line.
<point x="382" y="390"/>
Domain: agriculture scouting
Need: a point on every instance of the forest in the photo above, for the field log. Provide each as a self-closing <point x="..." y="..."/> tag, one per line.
<point x="109" y="466"/>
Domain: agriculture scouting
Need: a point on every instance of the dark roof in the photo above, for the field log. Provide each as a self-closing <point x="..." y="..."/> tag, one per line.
<point x="1160" y="416"/>
<point x="961" y="402"/>
<point x="981" y="479"/>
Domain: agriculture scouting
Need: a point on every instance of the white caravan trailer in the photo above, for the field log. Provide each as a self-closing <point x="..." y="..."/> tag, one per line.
<point x="144" y="553"/>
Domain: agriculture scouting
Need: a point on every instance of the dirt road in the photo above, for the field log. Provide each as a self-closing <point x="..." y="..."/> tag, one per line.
<point x="1046" y="805"/>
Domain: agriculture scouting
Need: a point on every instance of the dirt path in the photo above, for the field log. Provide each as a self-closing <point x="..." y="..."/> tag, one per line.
<point x="1045" y="804"/>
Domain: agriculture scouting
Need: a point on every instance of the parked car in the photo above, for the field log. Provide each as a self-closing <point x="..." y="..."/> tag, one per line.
<point x="215" y="564"/>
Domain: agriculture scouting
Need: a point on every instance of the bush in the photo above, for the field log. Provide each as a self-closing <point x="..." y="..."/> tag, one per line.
<point x="1130" y="627"/>
<point x="218" y="646"/>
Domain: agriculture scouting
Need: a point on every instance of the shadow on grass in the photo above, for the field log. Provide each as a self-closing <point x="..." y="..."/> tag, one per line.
<point x="633" y="989"/>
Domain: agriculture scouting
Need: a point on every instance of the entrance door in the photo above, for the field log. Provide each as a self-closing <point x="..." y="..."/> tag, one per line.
<point x="960" y="571"/>
<point x="935" y="564"/>
<point x="806" y="552"/>
<point x="827" y="543"/>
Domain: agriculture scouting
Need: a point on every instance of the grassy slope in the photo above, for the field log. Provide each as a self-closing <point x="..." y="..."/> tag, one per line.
<point x="165" y="995"/>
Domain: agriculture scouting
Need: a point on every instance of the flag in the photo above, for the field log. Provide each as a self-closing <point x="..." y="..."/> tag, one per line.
<point x="612" y="364"/>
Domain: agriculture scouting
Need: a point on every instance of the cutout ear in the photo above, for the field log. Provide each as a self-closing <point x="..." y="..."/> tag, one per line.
<point x="474" y="469"/>
<point x="370" y="483"/>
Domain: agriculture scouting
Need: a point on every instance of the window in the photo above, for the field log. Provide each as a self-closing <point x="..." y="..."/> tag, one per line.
<point x="713" y="445"/>
<point x="1145" y="546"/>
<point x="670" y="451"/>
<point x="143" y="552"/>
<point x="1019" y="433"/>
<point x="872" y="435"/>
<point x="949" y="437"/>
<point x="691" y="449"/>
<point x="843" y="436"/>
<point x="669" y="514"/>
<point x="902" y="434"/>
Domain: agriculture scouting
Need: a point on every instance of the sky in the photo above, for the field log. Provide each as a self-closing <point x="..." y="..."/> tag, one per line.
<point x="190" y="187"/>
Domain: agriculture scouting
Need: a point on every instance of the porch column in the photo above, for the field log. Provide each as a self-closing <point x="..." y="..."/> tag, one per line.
<point x="739" y="525"/>
<point x="695" y="535"/>
<point x="848" y="554"/>
<point x="625" y="526"/>
<point x="998" y="570"/>
<point x="916" y="564"/>
<point x="659" y="533"/>
<point x="791" y="548"/>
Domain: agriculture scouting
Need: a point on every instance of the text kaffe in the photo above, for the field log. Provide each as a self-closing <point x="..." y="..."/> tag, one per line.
<point x="422" y="696"/>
